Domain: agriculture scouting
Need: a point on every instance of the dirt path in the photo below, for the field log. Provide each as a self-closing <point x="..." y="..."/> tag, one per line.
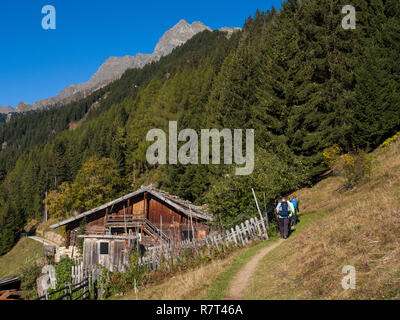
<point x="42" y="240"/>
<point x="243" y="277"/>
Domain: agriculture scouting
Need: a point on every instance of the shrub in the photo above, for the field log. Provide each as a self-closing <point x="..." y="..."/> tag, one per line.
<point x="389" y="141"/>
<point x="115" y="282"/>
<point x="31" y="270"/>
<point x="63" y="274"/>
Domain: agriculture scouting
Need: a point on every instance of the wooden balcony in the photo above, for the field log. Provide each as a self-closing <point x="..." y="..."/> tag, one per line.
<point x="122" y="221"/>
<point x="133" y="221"/>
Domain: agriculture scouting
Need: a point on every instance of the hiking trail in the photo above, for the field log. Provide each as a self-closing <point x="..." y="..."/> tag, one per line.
<point x="244" y="276"/>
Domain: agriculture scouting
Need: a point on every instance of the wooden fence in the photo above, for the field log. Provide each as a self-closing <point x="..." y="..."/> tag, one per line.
<point x="79" y="273"/>
<point x="174" y="253"/>
<point x="84" y="282"/>
<point x="82" y="289"/>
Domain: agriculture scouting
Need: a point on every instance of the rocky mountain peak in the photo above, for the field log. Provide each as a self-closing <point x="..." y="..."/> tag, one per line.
<point x="24" y="107"/>
<point x="178" y="35"/>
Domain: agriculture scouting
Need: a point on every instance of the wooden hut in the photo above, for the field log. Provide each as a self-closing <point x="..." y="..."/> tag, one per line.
<point x="146" y="217"/>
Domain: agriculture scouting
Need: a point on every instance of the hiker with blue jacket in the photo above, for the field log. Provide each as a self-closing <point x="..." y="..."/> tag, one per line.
<point x="295" y="203"/>
<point x="284" y="210"/>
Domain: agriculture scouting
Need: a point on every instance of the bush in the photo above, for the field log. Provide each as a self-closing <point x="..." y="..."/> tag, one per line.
<point x="64" y="271"/>
<point x="31" y="270"/>
<point x="355" y="167"/>
<point x="389" y="141"/>
<point x="64" y="275"/>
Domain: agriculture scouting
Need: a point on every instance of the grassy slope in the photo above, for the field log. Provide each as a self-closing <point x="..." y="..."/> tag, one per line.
<point x="360" y="228"/>
<point x="25" y="249"/>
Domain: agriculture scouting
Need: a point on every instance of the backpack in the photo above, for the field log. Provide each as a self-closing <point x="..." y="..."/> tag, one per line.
<point x="284" y="211"/>
<point x="294" y="201"/>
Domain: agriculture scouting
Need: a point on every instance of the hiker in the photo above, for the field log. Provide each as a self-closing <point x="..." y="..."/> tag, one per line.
<point x="292" y="217"/>
<point x="295" y="203"/>
<point x="284" y="211"/>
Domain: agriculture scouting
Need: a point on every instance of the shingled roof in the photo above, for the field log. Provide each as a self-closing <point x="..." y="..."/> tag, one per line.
<point x="183" y="206"/>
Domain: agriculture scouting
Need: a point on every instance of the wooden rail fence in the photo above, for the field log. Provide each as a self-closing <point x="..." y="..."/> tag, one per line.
<point x="69" y="290"/>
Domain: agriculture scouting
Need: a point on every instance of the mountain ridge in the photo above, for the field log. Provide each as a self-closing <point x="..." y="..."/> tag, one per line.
<point x="114" y="67"/>
<point x="6" y="109"/>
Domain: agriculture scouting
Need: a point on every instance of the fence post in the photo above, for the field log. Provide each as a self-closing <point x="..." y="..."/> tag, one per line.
<point x="234" y="236"/>
<point x="259" y="211"/>
<point x="228" y="238"/>
<point x="216" y="242"/>
<point x="249" y="230"/>
<point x="65" y="291"/>
<point x="253" y="226"/>
<point x="90" y="284"/>
<point x="244" y="235"/>
<point x="95" y="295"/>
<point x="258" y="226"/>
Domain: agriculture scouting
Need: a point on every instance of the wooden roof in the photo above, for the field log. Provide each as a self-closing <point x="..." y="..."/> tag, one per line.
<point x="183" y="206"/>
<point x="9" y="280"/>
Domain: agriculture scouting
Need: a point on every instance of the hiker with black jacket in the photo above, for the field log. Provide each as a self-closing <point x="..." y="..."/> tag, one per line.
<point x="284" y="212"/>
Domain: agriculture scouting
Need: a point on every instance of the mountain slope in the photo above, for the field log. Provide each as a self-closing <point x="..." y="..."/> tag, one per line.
<point x="283" y="76"/>
<point x="42" y="153"/>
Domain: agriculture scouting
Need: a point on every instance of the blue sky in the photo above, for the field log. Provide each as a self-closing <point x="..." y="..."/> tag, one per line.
<point x="37" y="64"/>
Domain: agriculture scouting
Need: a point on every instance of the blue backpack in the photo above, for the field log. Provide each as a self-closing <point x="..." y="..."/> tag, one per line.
<point x="294" y="201"/>
<point x="284" y="211"/>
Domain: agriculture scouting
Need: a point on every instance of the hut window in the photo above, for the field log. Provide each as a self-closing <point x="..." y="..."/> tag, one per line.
<point x="103" y="247"/>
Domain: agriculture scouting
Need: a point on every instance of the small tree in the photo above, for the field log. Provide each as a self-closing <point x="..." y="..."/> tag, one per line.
<point x="98" y="181"/>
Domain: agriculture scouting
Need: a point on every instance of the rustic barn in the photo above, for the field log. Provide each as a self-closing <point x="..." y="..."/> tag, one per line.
<point x="143" y="218"/>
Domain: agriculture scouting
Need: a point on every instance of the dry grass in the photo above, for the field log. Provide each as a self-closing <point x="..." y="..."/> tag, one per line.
<point x="361" y="229"/>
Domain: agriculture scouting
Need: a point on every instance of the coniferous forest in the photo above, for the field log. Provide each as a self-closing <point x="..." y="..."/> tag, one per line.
<point x="294" y="75"/>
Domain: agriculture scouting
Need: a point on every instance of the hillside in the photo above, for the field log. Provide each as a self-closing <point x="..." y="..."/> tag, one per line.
<point x="24" y="250"/>
<point x="295" y="76"/>
<point x="358" y="228"/>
